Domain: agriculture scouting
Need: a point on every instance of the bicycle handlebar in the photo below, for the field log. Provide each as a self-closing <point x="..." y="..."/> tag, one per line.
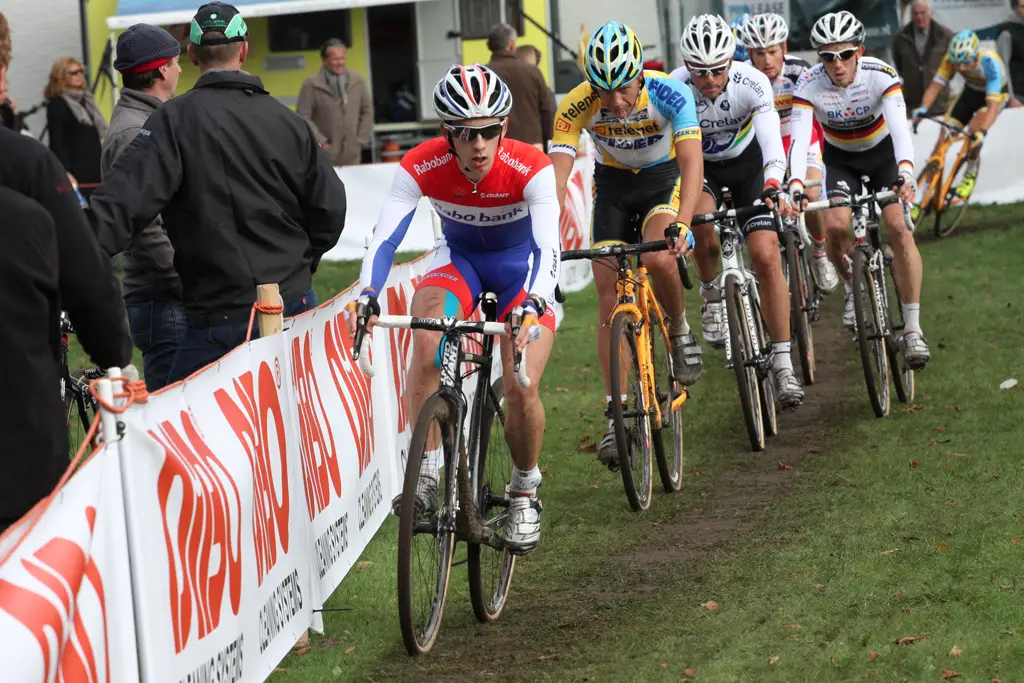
<point x="939" y="119"/>
<point x="629" y="250"/>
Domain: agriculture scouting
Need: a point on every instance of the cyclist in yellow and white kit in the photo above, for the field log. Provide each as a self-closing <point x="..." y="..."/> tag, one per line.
<point x="645" y="127"/>
<point x="981" y="101"/>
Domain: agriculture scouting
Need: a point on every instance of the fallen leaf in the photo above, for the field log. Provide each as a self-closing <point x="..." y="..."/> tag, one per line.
<point x="772" y="660"/>
<point x="992" y="346"/>
<point x="783" y="466"/>
<point x="350" y="650"/>
<point x="586" y="445"/>
<point x="1015" y="541"/>
<point x="907" y="640"/>
<point x="1006" y="633"/>
<point x="1004" y="587"/>
<point x="792" y="626"/>
<point x="277" y="668"/>
<point x="819" y="586"/>
<point x="899" y="594"/>
<point x="956" y="455"/>
<point x="890" y="551"/>
<point x="940" y="429"/>
<point x="664" y="666"/>
<point x="873" y="656"/>
<point x="931" y="443"/>
<point x="914" y="464"/>
<point x="941" y="547"/>
<point x="594" y="486"/>
<point x="906" y="610"/>
<point x="946" y="674"/>
<point x="364" y="565"/>
<point x="710" y="605"/>
<point x="955" y="651"/>
<point x="833" y="660"/>
<point x="689" y="673"/>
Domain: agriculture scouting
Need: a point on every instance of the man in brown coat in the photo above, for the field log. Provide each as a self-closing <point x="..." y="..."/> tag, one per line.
<point x="917" y="51"/>
<point x="532" y="118"/>
<point x="337" y="104"/>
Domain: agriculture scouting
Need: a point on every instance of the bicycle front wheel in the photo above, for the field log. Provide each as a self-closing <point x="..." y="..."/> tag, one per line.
<point x="929" y="184"/>
<point x="800" y="318"/>
<point x="954" y="205"/>
<point x="490" y="570"/>
<point x="668" y="439"/>
<point x="426" y="526"/>
<point x="630" y="415"/>
<point x="870" y="333"/>
<point x="902" y="375"/>
<point x="742" y="349"/>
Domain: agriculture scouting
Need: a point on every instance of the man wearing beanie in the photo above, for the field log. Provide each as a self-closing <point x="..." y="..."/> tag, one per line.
<point x="147" y="59"/>
<point x="246" y="194"/>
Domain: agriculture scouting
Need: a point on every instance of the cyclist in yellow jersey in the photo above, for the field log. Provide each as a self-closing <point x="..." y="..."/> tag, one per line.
<point x="981" y="101"/>
<point x="645" y="126"/>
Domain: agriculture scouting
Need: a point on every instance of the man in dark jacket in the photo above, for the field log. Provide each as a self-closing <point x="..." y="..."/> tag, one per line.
<point x="533" y="106"/>
<point x="246" y="194"/>
<point x="147" y="58"/>
<point x="1010" y="46"/>
<point x="917" y="51"/>
<point x="50" y="259"/>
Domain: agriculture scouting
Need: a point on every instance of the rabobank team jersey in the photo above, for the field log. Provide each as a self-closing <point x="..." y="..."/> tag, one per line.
<point x="987" y="76"/>
<point x="663" y="116"/>
<point x="742" y="112"/>
<point x="514" y="207"/>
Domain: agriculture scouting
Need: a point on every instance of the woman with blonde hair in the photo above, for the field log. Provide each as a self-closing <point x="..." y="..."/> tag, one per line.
<point x="75" y="123"/>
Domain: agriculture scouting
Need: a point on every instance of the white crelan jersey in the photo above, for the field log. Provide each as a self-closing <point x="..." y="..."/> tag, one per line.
<point x="784" y="86"/>
<point x="855" y="118"/>
<point x="745" y="110"/>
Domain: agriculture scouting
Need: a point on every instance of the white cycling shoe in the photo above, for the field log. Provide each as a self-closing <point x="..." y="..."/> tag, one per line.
<point x="712" y="318"/>
<point x="824" y="273"/>
<point x="522" y="530"/>
<point x="849" y="315"/>
<point x="915" y="350"/>
<point x="787" y="389"/>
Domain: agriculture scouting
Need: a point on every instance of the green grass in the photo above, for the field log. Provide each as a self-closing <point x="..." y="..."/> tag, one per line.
<point x="899" y="549"/>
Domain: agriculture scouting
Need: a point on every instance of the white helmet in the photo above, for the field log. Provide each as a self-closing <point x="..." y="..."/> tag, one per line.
<point x="764" y="30"/>
<point x="837" y="27"/>
<point x="471" y="92"/>
<point x="707" y="40"/>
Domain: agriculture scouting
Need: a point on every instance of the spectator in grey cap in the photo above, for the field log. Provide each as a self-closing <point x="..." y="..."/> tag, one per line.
<point x="147" y="59"/>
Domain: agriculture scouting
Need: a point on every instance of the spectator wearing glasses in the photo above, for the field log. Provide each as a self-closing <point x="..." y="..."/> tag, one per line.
<point x="74" y="122"/>
<point x="1010" y="46"/>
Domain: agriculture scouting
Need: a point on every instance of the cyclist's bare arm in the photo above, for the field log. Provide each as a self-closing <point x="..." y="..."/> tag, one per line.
<point x="932" y="92"/>
<point x="690" y="157"/>
<point x="563" y="164"/>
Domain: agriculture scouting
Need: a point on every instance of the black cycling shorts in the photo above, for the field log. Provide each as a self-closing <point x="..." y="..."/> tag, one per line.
<point x="624" y="199"/>
<point x="970" y="101"/>
<point x="844" y="169"/>
<point x="744" y="176"/>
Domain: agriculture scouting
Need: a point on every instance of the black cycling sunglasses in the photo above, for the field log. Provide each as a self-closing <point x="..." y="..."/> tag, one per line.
<point x="467" y="133"/>
<point x="843" y="56"/>
<point x="708" y="72"/>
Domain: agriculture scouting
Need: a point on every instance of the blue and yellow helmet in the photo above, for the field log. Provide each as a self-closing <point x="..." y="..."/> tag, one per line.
<point x="614" y="57"/>
<point x="963" y="47"/>
<point x="737" y="31"/>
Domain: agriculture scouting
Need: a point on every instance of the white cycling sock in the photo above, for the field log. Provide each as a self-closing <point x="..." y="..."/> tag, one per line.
<point x="525" y="482"/>
<point x="678" y="327"/>
<point x="911" y="317"/>
<point x="848" y="287"/>
<point x="431" y="464"/>
<point x="818" y="248"/>
<point x="782" y="360"/>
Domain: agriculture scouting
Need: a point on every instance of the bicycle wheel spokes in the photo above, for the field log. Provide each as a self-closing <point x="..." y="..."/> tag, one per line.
<point x="668" y="440"/>
<point x="928" y="184"/>
<point x="955" y="205"/>
<point x="630" y="416"/>
<point x="870" y="333"/>
<point x="743" y="354"/>
<point x="799" y="301"/>
<point x="902" y="375"/>
<point x="490" y="570"/>
<point x="426" y="526"/>
<point x="765" y="382"/>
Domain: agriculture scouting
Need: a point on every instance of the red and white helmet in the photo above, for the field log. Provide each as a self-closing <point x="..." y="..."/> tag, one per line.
<point x="764" y="30"/>
<point x="471" y="92"/>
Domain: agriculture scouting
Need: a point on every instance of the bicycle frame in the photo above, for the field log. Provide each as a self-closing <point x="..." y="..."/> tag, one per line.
<point x="730" y="238"/>
<point x="941" y="181"/>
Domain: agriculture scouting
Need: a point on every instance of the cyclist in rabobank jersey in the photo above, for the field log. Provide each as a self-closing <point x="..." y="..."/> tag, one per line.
<point x="645" y="128"/>
<point x="765" y="37"/>
<point x="984" y="96"/>
<point x="742" y="151"/>
<point x="496" y="198"/>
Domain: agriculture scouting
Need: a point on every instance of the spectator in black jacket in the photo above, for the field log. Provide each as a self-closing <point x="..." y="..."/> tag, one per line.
<point x="74" y="123"/>
<point x="50" y="260"/>
<point x="246" y="194"/>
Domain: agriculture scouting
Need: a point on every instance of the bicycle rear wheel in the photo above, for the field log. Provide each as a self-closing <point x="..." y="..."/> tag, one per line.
<point x="765" y="383"/>
<point x="490" y="570"/>
<point x="870" y="333"/>
<point x="741" y="344"/>
<point x="902" y="375"/>
<point x="668" y="439"/>
<point x="954" y="206"/>
<point x="426" y="537"/>
<point x="630" y="416"/>
<point x="800" y="319"/>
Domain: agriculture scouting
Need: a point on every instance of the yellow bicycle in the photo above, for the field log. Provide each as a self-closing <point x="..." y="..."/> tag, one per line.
<point x="937" y="189"/>
<point x="641" y="366"/>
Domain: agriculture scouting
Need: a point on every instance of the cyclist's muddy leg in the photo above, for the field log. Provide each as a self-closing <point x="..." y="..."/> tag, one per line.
<point x="605" y="274"/>
<point x="524" y="419"/>
<point x="840" y="242"/>
<point x="907" y="268"/>
<point x="707" y="254"/>
<point x="662" y="267"/>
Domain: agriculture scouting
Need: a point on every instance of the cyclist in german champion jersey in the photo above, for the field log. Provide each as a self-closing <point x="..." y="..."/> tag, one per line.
<point x="984" y="95"/>
<point x="859" y="102"/>
<point x="645" y="127"/>
<point x="765" y="38"/>
<point x="742" y="147"/>
<point x="496" y="198"/>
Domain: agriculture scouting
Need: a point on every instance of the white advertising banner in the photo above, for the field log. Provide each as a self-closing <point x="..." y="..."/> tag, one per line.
<point x="66" y="610"/>
<point x="217" y="520"/>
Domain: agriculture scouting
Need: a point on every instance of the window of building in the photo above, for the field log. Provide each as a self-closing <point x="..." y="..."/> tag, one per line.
<point x="478" y="16"/>
<point x="298" y="32"/>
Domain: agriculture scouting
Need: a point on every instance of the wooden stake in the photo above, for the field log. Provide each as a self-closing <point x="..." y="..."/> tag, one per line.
<point x="270" y="323"/>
